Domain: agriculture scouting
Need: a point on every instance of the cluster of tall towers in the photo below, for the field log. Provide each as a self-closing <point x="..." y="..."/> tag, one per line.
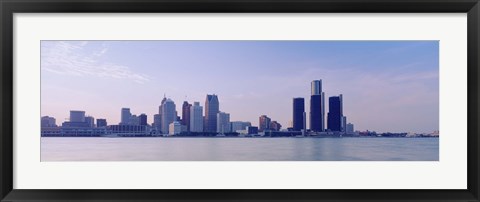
<point x="192" y="116"/>
<point x="335" y="119"/>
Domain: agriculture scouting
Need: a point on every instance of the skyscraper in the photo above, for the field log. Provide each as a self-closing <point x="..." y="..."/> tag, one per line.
<point x="263" y="123"/>
<point x="317" y="116"/>
<point x="298" y="114"/>
<point x="212" y="106"/>
<point x="169" y="115"/>
<point x="125" y="116"/>
<point x="223" y="122"/>
<point x="143" y="119"/>
<point x="186" y="114"/>
<point x="335" y="113"/>
<point x="157" y="125"/>
<point x="196" y="117"/>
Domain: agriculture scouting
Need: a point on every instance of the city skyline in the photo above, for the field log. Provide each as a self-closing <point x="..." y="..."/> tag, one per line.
<point x="101" y="82"/>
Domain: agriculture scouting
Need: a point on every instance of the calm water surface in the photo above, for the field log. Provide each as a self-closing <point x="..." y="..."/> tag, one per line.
<point x="238" y="149"/>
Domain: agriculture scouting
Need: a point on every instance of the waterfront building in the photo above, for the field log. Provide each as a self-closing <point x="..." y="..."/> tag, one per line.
<point x="239" y="125"/>
<point x="252" y="130"/>
<point x="317" y="109"/>
<point x="175" y="128"/>
<point x="344" y="124"/>
<point x="90" y="121"/>
<point x="47" y="121"/>
<point x="350" y="128"/>
<point x="212" y="107"/>
<point x="223" y="122"/>
<point x="157" y="122"/>
<point x="186" y="114"/>
<point x="298" y="114"/>
<point x="77" y="116"/>
<point x="142" y="120"/>
<point x="128" y="130"/>
<point x="125" y="116"/>
<point x="275" y="126"/>
<point x="160" y="113"/>
<point x="101" y="123"/>
<point x="169" y="115"/>
<point x="335" y="113"/>
<point x="196" y="117"/>
<point x="264" y="123"/>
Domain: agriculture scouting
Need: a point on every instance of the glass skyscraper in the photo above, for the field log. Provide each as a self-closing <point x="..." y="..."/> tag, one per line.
<point x="298" y="114"/>
<point x="335" y="113"/>
<point x="317" y="107"/>
<point x="212" y="106"/>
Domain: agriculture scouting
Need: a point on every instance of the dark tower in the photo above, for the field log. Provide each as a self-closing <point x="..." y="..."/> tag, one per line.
<point x="211" y="109"/>
<point x="335" y="113"/>
<point x="298" y="111"/>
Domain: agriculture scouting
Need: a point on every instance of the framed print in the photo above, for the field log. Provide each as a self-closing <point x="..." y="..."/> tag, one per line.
<point x="227" y="101"/>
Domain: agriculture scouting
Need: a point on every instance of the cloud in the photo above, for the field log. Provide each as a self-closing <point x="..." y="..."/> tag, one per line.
<point x="78" y="59"/>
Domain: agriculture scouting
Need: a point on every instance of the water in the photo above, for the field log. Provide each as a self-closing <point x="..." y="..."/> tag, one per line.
<point x="238" y="149"/>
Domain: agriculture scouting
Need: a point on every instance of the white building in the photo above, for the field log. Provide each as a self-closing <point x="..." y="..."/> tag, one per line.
<point x="223" y="122"/>
<point x="196" y="117"/>
<point x="169" y="115"/>
<point x="175" y="128"/>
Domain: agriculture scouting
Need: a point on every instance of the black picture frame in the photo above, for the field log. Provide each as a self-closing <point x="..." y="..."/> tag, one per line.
<point x="9" y="7"/>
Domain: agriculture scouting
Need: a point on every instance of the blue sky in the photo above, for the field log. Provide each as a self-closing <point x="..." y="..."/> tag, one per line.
<point x="386" y="85"/>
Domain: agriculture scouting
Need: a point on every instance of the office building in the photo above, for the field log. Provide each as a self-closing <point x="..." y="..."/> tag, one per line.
<point x="175" y="128"/>
<point x="335" y="113"/>
<point x="157" y="122"/>
<point x="186" y="114"/>
<point x="212" y="107"/>
<point x="90" y="121"/>
<point x="169" y="115"/>
<point x="275" y="126"/>
<point x="142" y="119"/>
<point x="47" y="121"/>
<point x="196" y="117"/>
<point x="344" y="124"/>
<point x="77" y="116"/>
<point x="264" y="123"/>
<point x="125" y="116"/>
<point x="317" y="111"/>
<point x="223" y="122"/>
<point x="101" y="123"/>
<point x="239" y="125"/>
<point x="252" y="130"/>
<point x="349" y="129"/>
<point x="298" y="114"/>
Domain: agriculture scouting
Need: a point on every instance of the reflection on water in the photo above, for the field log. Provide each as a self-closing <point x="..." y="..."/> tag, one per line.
<point x="238" y="149"/>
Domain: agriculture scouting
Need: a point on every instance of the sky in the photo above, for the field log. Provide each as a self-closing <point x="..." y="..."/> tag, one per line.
<point x="387" y="86"/>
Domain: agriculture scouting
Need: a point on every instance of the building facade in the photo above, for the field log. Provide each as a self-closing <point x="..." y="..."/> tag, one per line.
<point x="298" y="114"/>
<point x="275" y="126"/>
<point x="212" y="107"/>
<point x="264" y="123"/>
<point x="335" y="113"/>
<point x="186" y="114"/>
<point x="77" y="116"/>
<point x="101" y="123"/>
<point x="142" y="119"/>
<point x="169" y="115"/>
<point x="125" y="116"/>
<point x="47" y="121"/>
<point x="196" y="117"/>
<point x="317" y="109"/>
<point x="223" y="122"/>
